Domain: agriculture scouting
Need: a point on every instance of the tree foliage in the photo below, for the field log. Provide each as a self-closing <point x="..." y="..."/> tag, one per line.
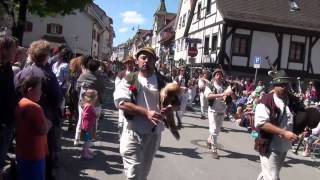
<point x="18" y="9"/>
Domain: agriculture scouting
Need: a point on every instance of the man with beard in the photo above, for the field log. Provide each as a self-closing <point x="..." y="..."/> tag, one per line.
<point x="274" y="122"/>
<point x="138" y="95"/>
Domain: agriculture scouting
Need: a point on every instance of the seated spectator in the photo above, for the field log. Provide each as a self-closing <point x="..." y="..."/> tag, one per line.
<point x="311" y="137"/>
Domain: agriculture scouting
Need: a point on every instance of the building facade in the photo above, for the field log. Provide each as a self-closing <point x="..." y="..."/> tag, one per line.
<point x="162" y="18"/>
<point x="142" y="38"/>
<point x="234" y="34"/>
<point x="88" y="32"/>
<point x="120" y="52"/>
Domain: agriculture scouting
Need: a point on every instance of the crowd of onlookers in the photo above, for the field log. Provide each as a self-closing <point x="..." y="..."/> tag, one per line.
<point x="40" y="86"/>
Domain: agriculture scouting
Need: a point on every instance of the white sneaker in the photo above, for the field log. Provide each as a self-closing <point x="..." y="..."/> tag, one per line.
<point x="76" y="142"/>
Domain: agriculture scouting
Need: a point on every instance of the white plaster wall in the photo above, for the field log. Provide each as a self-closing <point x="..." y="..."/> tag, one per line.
<point x="295" y="66"/>
<point x="264" y="44"/>
<point x="185" y="7"/>
<point x="79" y="24"/>
<point x="298" y="38"/>
<point x="315" y="57"/>
<point x="219" y="16"/>
<point x="306" y="55"/>
<point x="239" y="61"/>
<point x="242" y="31"/>
<point x="285" y="51"/>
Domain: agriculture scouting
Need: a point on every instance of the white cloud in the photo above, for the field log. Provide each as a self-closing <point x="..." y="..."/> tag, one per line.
<point x="124" y="29"/>
<point x="132" y="17"/>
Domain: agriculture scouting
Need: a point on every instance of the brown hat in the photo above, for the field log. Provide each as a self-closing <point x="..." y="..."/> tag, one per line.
<point x="148" y="50"/>
<point x="128" y="59"/>
<point x="216" y="71"/>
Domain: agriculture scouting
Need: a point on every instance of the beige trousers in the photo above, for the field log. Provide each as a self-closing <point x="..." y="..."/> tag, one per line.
<point x="137" y="151"/>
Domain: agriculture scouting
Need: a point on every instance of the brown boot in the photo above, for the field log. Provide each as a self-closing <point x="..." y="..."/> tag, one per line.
<point x="214" y="153"/>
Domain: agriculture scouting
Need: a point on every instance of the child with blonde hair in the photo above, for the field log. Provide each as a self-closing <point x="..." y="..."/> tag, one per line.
<point x="90" y="97"/>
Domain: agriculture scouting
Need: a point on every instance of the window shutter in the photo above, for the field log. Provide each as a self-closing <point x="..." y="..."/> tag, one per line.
<point x="48" y="28"/>
<point x="30" y="26"/>
<point x="60" y="29"/>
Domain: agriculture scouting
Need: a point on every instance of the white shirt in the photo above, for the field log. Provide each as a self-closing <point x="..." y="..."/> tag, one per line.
<point x="219" y="105"/>
<point x="147" y="97"/>
<point x="262" y="115"/>
<point x="61" y="72"/>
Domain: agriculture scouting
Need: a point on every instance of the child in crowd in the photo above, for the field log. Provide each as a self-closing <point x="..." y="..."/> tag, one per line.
<point x="88" y="121"/>
<point x="31" y="132"/>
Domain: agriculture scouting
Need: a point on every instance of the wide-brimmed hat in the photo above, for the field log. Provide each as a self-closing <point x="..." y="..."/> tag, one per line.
<point x="147" y="50"/>
<point x="216" y="71"/>
<point x="281" y="77"/>
<point x="129" y="58"/>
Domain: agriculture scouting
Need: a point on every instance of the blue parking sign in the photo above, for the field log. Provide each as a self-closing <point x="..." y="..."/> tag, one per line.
<point x="257" y="61"/>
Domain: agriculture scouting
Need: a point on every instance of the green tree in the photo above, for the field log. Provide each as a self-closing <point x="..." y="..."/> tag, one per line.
<point x="18" y="9"/>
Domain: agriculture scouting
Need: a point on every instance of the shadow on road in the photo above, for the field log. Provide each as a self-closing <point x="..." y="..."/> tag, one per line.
<point x="189" y="125"/>
<point x="237" y="155"/>
<point x="189" y="152"/>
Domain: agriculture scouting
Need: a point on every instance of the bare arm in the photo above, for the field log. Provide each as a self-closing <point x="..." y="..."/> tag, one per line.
<point x="214" y="96"/>
<point x="283" y="133"/>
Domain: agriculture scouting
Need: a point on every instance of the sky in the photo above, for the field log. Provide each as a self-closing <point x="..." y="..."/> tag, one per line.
<point x="129" y="14"/>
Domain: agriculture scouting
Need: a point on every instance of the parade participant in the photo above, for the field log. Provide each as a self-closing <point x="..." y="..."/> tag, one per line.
<point x="31" y="132"/>
<point x="138" y="95"/>
<point x="216" y="110"/>
<point x="8" y="99"/>
<point x="274" y="122"/>
<point x="50" y="101"/>
<point x="202" y="83"/>
<point x="182" y="81"/>
<point x="129" y="64"/>
<point x="88" y="121"/>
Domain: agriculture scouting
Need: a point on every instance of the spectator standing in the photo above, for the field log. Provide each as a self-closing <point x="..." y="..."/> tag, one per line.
<point x="89" y="80"/>
<point x="88" y="121"/>
<point x="8" y="99"/>
<point x="31" y="132"/>
<point x="50" y="100"/>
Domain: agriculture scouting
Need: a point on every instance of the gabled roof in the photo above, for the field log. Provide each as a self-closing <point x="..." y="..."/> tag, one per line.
<point x="273" y="12"/>
<point x="170" y="16"/>
<point x="269" y="12"/>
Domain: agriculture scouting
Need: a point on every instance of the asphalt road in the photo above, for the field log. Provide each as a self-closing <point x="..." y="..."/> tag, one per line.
<point x="187" y="159"/>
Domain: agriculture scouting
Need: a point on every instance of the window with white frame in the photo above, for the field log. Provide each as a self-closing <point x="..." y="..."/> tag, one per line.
<point x="199" y="11"/>
<point x="297" y="52"/>
<point x="208" y="8"/>
<point x="54" y="28"/>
